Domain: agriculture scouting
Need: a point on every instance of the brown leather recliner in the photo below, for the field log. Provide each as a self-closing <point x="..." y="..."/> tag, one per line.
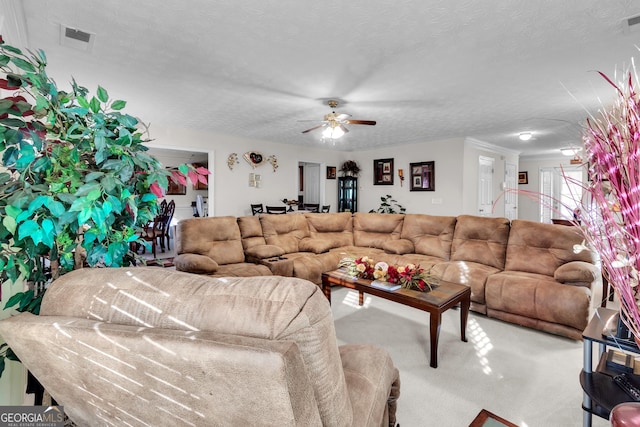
<point x="150" y="346"/>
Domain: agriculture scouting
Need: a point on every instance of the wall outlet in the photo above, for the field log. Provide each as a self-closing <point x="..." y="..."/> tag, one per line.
<point x="437" y="201"/>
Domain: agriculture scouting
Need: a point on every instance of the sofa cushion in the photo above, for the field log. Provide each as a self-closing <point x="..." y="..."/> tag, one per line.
<point x="285" y="231"/>
<point x="372" y="230"/>
<point x="312" y="267"/>
<point x="467" y="273"/>
<point x="549" y="245"/>
<point x="430" y="234"/>
<point x="194" y="263"/>
<point x="399" y="247"/>
<point x="538" y="296"/>
<point x="264" y="251"/>
<point x="250" y="231"/>
<point x="216" y="237"/>
<point x="316" y="245"/>
<point x="336" y="229"/>
<point x="480" y="239"/>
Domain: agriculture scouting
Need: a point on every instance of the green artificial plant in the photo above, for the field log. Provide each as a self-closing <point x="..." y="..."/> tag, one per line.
<point x="76" y="183"/>
<point x="389" y="205"/>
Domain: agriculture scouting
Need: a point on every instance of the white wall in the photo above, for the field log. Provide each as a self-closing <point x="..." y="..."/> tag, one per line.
<point x="446" y="154"/>
<point x="456" y="170"/>
<point x="229" y="191"/>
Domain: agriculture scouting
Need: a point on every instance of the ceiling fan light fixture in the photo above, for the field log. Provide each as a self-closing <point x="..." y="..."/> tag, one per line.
<point x="332" y="132"/>
<point x="525" y="136"/>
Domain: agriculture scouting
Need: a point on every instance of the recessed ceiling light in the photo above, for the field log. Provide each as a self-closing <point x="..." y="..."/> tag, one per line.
<point x="525" y="136"/>
<point x="571" y="151"/>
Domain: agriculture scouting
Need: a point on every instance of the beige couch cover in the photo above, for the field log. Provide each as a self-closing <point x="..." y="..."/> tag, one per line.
<point x="522" y="271"/>
<point x="150" y="346"/>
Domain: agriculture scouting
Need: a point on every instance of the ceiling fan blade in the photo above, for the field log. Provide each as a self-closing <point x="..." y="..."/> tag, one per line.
<point x="360" y="122"/>
<point x="314" y="128"/>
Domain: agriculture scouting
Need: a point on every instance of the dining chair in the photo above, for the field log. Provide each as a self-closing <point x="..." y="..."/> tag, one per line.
<point x="276" y="209"/>
<point x="168" y="216"/>
<point x="257" y="209"/>
<point x="326" y="208"/>
<point x="153" y="232"/>
<point x="163" y="207"/>
<point x="312" y="207"/>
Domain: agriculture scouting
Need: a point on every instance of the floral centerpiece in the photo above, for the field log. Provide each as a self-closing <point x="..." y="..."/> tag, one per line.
<point x="409" y="276"/>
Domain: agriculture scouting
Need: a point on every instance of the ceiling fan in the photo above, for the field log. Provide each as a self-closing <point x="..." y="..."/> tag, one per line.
<point x="333" y="123"/>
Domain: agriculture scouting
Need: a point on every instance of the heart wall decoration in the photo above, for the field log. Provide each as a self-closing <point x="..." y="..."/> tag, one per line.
<point x="254" y="158"/>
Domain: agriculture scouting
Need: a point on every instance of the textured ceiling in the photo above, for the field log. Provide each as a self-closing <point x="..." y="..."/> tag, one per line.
<point x="424" y="70"/>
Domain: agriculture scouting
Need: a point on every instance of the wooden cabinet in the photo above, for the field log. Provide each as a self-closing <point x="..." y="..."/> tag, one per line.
<point x="348" y="194"/>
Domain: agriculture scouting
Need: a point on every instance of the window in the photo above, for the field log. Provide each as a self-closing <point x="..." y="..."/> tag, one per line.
<point x="560" y="195"/>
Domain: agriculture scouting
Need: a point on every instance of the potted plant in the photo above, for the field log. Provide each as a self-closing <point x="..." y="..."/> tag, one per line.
<point x="389" y="205"/>
<point x="350" y="168"/>
<point x="76" y="185"/>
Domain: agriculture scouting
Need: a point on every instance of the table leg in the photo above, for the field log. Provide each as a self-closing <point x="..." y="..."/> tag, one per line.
<point x="587" y="366"/>
<point x="326" y="289"/>
<point x="361" y="298"/>
<point x="606" y="292"/>
<point x="464" y="316"/>
<point x="435" y="321"/>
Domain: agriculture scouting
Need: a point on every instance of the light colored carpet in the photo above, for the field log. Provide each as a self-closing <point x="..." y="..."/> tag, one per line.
<point x="528" y="377"/>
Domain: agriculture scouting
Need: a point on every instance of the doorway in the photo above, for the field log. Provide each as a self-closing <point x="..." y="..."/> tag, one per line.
<point x="309" y="185"/>
<point x="485" y="185"/>
<point x="561" y="192"/>
<point x="186" y="200"/>
<point x="510" y="194"/>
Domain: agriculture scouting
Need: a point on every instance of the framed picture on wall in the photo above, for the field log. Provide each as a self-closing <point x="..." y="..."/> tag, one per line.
<point x="383" y="172"/>
<point x="199" y="185"/>
<point x="331" y="172"/>
<point x="523" y="177"/>
<point x="423" y="176"/>
<point x="175" y="188"/>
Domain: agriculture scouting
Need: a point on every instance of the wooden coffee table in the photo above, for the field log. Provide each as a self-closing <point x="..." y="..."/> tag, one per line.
<point x="444" y="296"/>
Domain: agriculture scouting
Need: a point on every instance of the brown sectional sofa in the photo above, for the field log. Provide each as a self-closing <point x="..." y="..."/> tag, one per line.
<point x="520" y="271"/>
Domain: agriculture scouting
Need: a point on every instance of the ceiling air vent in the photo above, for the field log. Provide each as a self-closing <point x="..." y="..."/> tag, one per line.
<point x="631" y="24"/>
<point x="76" y="39"/>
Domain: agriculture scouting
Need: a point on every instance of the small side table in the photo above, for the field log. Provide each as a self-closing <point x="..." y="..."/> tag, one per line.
<point x="600" y="392"/>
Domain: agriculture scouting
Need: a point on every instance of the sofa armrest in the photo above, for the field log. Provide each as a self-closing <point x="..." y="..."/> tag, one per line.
<point x="399" y="247"/>
<point x="316" y="245"/>
<point x="373" y="383"/>
<point x="195" y="263"/>
<point x="259" y="252"/>
<point x="578" y="272"/>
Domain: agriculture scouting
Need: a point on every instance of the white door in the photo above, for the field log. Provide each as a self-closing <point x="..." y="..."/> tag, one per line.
<point x="312" y="183"/>
<point x="510" y="195"/>
<point x="485" y="186"/>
